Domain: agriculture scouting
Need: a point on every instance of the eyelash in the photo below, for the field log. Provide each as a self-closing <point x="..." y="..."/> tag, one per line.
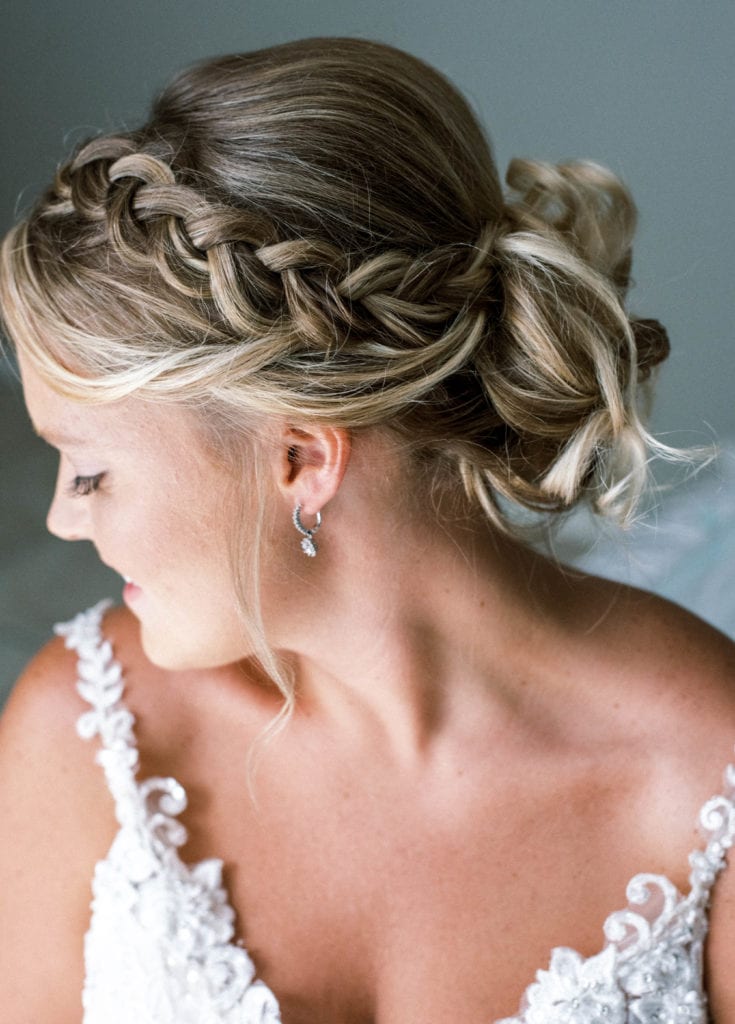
<point x="81" y="486"/>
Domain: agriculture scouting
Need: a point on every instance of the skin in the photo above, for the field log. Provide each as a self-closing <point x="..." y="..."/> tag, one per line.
<point x="484" y="749"/>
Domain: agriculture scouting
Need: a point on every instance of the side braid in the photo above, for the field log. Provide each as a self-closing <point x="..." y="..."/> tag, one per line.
<point x="407" y="319"/>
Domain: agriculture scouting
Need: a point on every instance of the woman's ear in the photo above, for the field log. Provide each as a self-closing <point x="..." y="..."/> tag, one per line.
<point x="310" y="462"/>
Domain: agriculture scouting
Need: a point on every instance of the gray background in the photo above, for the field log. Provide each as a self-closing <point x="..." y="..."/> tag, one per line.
<point x="645" y="87"/>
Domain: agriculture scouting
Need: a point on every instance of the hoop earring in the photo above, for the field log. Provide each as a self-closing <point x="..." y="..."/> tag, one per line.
<point x="308" y="544"/>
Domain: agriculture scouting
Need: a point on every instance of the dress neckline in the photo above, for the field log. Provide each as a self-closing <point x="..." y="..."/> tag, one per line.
<point x="659" y="922"/>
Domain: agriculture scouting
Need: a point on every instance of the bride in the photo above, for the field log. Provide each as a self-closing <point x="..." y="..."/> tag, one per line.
<point x="355" y="753"/>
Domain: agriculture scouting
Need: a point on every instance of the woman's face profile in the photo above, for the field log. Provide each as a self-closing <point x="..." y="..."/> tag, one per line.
<point x="135" y="480"/>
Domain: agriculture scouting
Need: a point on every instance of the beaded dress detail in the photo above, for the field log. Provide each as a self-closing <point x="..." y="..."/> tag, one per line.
<point x="159" y="949"/>
<point x="651" y="969"/>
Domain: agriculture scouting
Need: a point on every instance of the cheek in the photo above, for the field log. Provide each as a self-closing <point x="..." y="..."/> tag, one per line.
<point x="176" y="545"/>
<point x="188" y="608"/>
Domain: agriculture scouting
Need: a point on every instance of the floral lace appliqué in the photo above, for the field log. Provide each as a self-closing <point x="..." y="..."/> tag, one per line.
<point x="650" y="971"/>
<point x="159" y="949"/>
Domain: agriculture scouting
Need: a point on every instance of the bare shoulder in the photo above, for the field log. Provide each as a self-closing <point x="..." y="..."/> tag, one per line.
<point x="57" y="820"/>
<point x="44" y="765"/>
<point x="674" y="676"/>
<point x="40" y="719"/>
<point x="44" y="705"/>
<point x="692" y="661"/>
<point x="677" y="677"/>
<point x="699" y="663"/>
<point x="658" y="684"/>
<point x="669" y="664"/>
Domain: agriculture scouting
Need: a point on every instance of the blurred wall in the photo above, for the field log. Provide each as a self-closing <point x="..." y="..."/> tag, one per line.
<point x="645" y="87"/>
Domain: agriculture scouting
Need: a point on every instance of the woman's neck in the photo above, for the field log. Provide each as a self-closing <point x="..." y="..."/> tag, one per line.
<point x="421" y="624"/>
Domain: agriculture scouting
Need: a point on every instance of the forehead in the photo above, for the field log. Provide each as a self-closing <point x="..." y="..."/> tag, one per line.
<point x="129" y="423"/>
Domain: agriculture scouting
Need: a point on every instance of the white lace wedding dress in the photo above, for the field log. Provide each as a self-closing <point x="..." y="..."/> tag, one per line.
<point x="160" y="945"/>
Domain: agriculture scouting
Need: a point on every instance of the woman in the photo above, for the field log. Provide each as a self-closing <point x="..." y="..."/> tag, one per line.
<point x="300" y="358"/>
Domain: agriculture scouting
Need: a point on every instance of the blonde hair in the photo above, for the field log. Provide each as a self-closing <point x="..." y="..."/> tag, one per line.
<point x="318" y="231"/>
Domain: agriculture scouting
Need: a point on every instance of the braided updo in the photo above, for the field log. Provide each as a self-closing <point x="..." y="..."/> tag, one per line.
<point x="318" y="231"/>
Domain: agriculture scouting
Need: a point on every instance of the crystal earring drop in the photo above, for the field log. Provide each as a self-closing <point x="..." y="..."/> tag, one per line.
<point x="308" y="544"/>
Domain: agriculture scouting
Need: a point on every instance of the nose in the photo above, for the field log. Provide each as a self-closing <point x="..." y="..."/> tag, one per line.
<point x="68" y="516"/>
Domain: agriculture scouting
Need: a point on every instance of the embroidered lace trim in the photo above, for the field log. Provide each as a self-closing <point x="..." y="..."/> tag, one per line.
<point x="159" y="949"/>
<point x="651" y="969"/>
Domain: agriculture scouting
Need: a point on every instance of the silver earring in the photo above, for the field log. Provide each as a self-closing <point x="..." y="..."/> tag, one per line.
<point x="308" y="544"/>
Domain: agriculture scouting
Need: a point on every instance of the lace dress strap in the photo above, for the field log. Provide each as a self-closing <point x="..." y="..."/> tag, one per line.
<point x="100" y="683"/>
<point x="150" y="806"/>
<point x="717" y="821"/>
<point x="652" y="967"/>
<point x="160" y="947"/>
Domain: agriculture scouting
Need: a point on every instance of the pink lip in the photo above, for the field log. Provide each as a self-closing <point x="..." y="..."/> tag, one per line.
<point x="131" y="592"/>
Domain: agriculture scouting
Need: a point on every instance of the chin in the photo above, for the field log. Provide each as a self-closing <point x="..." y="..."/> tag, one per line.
<point x="172" y="654"/>
<point x="162" y="652"/>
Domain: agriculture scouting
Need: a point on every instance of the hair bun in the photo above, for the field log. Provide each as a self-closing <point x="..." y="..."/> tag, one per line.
<point x="583" y="203"/>
<point x="652" y="343"/>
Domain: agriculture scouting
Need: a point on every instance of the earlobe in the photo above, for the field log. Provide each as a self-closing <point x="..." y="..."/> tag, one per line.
<point x="311" y="464"/>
